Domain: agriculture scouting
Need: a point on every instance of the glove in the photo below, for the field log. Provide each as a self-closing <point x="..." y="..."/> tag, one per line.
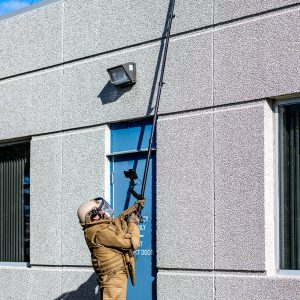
<point x="139" y="202"/>
<point x="133" y="232"/>
<point x="134" y="219"/>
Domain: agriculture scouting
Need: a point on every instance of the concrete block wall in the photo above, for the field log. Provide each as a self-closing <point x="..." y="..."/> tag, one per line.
<point x="226" y="58"/>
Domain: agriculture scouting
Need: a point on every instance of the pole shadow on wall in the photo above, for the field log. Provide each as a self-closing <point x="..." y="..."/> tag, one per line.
<point x="89" y="290"/>
<point x="111" y="93"/>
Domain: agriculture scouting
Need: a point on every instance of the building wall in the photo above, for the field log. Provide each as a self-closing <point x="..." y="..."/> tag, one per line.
<point x="215" y="204"/>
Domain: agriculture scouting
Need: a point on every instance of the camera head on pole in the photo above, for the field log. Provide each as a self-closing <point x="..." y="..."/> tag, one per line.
<point x="131" y="174"/>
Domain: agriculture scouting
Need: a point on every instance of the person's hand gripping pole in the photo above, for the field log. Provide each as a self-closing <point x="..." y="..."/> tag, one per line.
<point x="133" y="221"/>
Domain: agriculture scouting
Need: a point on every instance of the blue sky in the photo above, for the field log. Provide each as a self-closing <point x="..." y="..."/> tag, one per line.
<point x="8" y="6"/>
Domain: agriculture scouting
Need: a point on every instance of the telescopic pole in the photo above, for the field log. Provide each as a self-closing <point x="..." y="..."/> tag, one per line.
<point x="160" y="85"/>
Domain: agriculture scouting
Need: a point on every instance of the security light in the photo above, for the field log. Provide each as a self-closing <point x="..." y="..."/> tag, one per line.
<point x="123" y="75"/>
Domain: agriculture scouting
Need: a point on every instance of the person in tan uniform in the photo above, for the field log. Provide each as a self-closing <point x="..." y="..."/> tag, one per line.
<point x="111" y="242"/>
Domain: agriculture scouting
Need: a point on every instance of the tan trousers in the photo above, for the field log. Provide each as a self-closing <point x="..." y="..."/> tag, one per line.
<point x="114" y="288"/>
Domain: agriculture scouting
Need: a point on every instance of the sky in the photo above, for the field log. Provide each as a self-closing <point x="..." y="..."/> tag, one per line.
<point x="8" y="6"/>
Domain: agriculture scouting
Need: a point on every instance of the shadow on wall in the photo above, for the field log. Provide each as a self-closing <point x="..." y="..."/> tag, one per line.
<point x="87" y="291"/>
<point x="111" y="93"/>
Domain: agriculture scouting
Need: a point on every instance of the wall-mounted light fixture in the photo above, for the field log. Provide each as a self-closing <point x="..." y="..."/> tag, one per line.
<point x="123" y="75"/>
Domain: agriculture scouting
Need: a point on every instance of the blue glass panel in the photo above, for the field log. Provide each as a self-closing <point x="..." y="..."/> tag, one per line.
<point x="130" y="136"/>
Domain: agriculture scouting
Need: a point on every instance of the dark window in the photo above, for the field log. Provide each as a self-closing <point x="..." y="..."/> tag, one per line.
<point x="14" y="202"/>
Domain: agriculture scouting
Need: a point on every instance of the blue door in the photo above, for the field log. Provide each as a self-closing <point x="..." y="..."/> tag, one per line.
<point x="129" y="143"/>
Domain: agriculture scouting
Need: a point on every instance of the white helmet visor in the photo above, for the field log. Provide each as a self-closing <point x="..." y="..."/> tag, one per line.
<point x="105" y="207"/>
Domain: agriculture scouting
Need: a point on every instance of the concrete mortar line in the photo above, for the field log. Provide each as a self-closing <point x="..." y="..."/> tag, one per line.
<point x="256" y="16"/>
<point x="81" y="60"/>
<point x="214" y="202"/>
<point x="213" y="148"/>
<point x="212" y="109"/>
<point x="215" y="272"/>
<point x="204" y="29"/>
<point x="162" y="117"/>
<point x="62" y="152"/>
<point x="87" y="267"/>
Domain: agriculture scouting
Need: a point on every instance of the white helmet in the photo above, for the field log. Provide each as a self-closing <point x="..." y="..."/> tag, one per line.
<point x="98" y="206"/>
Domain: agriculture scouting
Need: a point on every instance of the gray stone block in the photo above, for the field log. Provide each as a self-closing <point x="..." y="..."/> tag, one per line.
<point x="248" y="66"/>
<point x="192" y="14"/>
<point x="239" y="188"/>
<point x="91" y="27"/>
<point x="45" y="199"/>
<point x="188" y="81"/>
<point x="32" y="104"/>
<point x="82" y="179"/>
<point x="182" y="285"/>
<point x="185" y="196"/>
<point x="89" y="98"/>
<point x="31" y="40"/>
<point x="29" y="283"/>
<point x="257" y="287"/>
<point x="225" y="10"/>
<point x="14" y="283"/>
<point x="45" y="283"/>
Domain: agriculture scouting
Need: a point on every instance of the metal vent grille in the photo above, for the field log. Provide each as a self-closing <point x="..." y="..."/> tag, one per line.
<point x="12" y="174"/>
